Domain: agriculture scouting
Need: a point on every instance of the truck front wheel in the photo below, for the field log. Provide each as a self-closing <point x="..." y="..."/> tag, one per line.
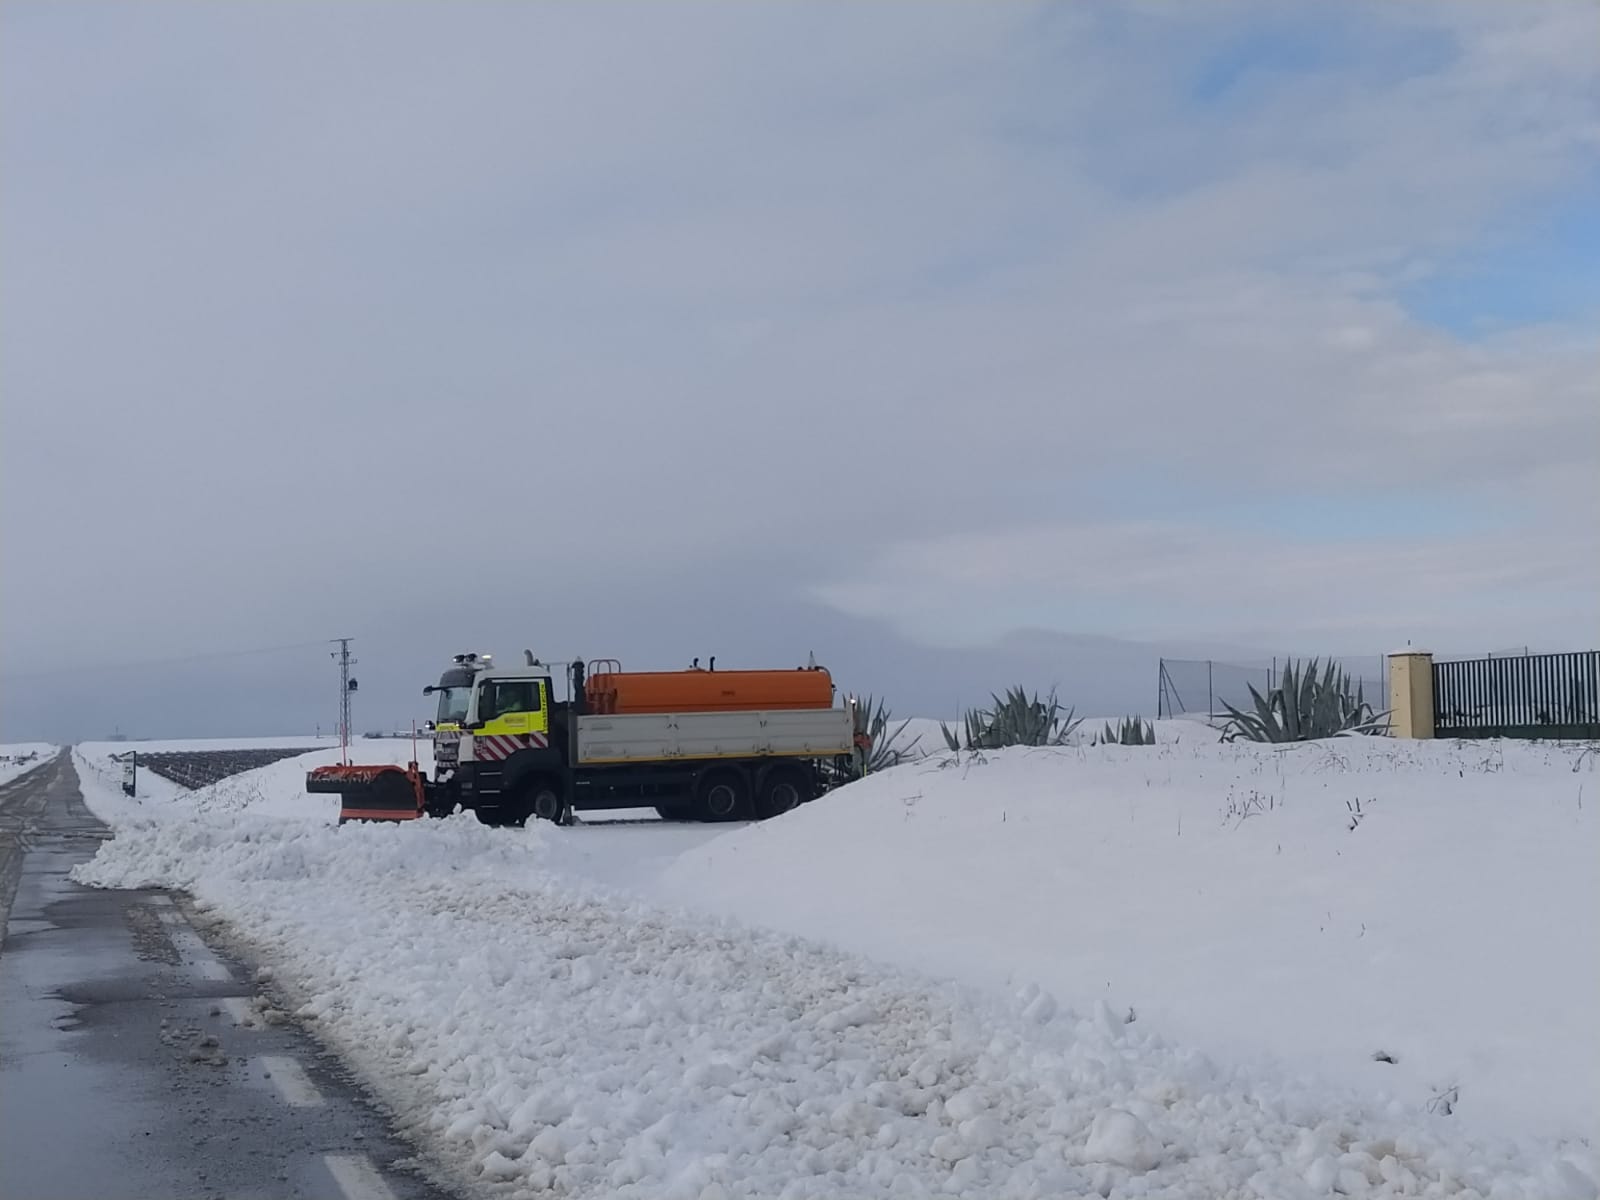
<point x="547" y="804"/>
<point x="536" y="798"/>
<point x="723" y="795"/>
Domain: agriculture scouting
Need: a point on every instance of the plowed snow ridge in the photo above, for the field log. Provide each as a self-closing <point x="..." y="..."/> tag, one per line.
<point x="539" y="1033"/>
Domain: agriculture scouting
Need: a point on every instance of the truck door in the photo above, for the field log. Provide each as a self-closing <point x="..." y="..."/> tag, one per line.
<point x="513" y="714"/>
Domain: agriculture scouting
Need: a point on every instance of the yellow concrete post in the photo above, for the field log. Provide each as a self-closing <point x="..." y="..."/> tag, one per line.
<point x="1411" y="694"/>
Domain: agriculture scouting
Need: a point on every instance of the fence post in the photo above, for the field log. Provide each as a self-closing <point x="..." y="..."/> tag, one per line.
<point x="1411" y="694"/>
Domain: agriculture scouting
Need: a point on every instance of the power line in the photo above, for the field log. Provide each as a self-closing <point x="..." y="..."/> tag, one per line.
<point x="208" y="656"/>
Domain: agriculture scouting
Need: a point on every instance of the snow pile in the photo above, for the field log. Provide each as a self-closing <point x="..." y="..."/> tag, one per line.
<point x="539" y="1032"/>
<point x="18" y="758"/>
<point x="1413" y="920"/>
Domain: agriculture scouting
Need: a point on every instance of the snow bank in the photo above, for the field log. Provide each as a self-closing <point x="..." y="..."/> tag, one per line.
<point x="539" y="1032"/>
<point x="533" y="1030"/>
<point x="18" y="758"/>
<point x="1434" y="904"/>
<point x="275" y="790"/>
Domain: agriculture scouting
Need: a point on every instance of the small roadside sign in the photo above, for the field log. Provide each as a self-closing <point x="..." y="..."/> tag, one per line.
<point x="130" y="773"/>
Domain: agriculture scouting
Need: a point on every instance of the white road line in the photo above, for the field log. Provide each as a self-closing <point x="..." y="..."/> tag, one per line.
<point x="293" y="1084"/>
<point x="238" y="1008"/>
<point x="357" y="1178"/>
<point x="162" y="900"/>
<point x="190" y="945"/>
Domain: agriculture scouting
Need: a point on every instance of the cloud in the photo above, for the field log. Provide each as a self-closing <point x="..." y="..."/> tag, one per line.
<point x="1158" y="581"/>
<point x="328" y="319"/>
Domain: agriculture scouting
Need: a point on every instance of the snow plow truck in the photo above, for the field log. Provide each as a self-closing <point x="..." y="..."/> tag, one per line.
<point x="699" y="744"/>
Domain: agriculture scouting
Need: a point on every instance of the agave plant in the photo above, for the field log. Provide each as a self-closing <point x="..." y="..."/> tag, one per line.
<point x="1306" y="706"/>
<point x="1130" y="731"/>
<point x="976" y="733"/>
<point x="1017" y="720"/>
<point x="882" y="749"/>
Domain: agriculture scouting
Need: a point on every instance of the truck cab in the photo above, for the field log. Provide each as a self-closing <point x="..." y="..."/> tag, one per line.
<point x="454" y="691"/>
<point x="493" y="744"/>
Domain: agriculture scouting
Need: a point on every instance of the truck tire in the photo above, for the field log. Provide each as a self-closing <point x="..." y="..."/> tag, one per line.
<point x="546" y="802"/>
<point x="538" y="798"/>
<point x="723" y="795"/>
<point x="781" y="789"/>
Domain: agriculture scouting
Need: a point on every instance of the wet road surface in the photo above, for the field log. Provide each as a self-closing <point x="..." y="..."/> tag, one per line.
<point x="136" y="1063"/>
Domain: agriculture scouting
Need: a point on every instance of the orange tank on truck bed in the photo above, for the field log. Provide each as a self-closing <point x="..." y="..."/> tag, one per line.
<point x="607" y="692"/>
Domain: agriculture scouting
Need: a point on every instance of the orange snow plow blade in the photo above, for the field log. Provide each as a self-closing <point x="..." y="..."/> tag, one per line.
<point x="386" y="793"/>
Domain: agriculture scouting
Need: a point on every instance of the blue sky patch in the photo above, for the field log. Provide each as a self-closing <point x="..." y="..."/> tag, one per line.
<point x="1292" y="42"/>
<point x="1544" y="267"/>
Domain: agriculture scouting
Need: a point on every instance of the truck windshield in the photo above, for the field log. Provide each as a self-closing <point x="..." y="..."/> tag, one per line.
<point x="453" y="704"/>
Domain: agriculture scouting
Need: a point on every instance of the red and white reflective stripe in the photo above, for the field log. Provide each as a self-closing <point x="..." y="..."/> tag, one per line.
<point x="496" y="747"/>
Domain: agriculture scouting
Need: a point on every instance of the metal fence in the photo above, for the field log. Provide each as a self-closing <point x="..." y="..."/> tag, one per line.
<point x="1524" y="696"/>
<point x="1202" y="689"/>
<point x="1514" y="652"/>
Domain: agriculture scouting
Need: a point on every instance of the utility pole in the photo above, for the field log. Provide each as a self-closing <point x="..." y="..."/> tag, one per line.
<point x="346" y="686"/>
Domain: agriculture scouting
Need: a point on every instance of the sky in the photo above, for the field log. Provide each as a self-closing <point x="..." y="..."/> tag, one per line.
<point x="940" y="341"/>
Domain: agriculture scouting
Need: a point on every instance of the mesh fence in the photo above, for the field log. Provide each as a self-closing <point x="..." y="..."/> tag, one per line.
<point x="1203" y="688"/>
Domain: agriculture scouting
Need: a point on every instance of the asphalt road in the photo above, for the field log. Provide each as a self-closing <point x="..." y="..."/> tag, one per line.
<point x="133" y="1065"/>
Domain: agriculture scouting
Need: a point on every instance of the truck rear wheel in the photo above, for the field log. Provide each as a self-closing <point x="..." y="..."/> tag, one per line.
<point x="723" y="795"/>
<point x="783" y="788"/>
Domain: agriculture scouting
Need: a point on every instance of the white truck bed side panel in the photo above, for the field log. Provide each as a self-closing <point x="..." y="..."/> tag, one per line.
<point x="817" y="732"/>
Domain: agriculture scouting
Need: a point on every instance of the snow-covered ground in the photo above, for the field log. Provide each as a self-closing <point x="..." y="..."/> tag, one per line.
<point x="18" y="758"/>
<point x="536" y="1028"/>
<point x="1232" y="896"/>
